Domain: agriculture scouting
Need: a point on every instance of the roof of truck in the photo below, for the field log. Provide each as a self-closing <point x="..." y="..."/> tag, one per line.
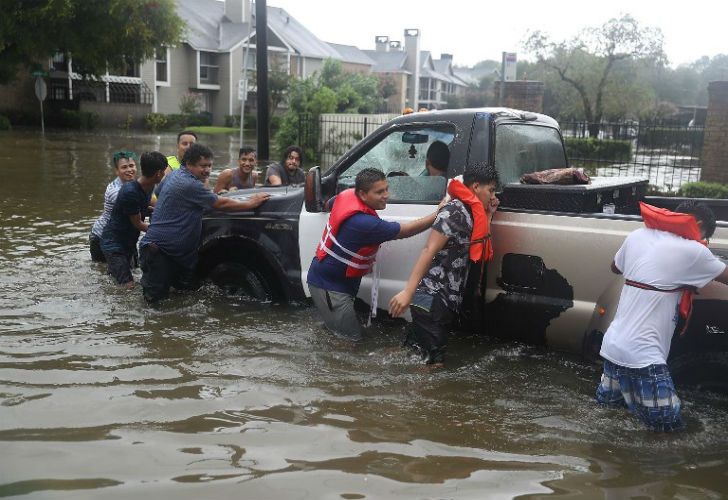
<point x="506" y="114"/>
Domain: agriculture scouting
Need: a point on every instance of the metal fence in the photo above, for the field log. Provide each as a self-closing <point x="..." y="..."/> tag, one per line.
<point x="667" y="153"/>
<point x="333" y="134"/>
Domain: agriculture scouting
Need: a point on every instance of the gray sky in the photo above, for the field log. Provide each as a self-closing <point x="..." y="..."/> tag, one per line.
<point x="477" y="30"/>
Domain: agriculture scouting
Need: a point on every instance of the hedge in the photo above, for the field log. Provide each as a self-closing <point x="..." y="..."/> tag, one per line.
<point x="159" y="121"/>
<point x="69" y="118"/>
<point x="672" y="138"/>
<point x="704" y="190"/>
<point x="597" y="149"/>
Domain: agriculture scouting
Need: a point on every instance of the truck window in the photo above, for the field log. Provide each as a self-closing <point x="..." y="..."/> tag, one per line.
<point x="401" y="156"/>
<point x="521" y="148"/>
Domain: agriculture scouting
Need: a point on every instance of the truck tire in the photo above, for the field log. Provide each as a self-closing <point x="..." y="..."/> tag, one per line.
<point x="238" y="278"/>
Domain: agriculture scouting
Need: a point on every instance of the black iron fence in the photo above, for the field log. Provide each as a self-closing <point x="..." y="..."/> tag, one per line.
<point x="667" y="153"/>
<point x="331" y="135"/>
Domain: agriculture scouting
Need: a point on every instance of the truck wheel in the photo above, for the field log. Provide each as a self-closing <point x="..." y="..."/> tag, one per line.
<point x="237" y="278"/>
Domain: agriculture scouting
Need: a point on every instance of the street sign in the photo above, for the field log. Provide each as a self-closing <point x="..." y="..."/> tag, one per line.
<point x="510" y="61"/>
<point x="242" y="90"/>
<point x="39" y="73"/>
<point x="41" y="90"/>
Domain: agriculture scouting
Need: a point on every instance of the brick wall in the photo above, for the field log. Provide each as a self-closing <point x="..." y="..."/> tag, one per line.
<point x="715" y="147"/>
<point x="522" y="94"/>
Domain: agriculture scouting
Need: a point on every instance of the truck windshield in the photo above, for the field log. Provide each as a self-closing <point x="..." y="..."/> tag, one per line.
<point x="402" y="155"/>
<point x="524" y="148"/>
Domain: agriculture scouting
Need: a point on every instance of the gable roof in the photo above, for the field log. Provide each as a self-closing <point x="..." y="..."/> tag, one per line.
<point x="352" y="54"/>
<point x="208" y="28"/>
<point x="298" y="36"/>
<point x="388" y="62"/>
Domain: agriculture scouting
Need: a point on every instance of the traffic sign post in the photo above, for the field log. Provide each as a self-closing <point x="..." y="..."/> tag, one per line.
<point x="41" y="92"/>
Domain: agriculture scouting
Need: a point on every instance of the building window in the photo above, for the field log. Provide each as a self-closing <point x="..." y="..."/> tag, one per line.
<point x="126" y="68"/>
<point x="208" y="68"/>
<point x="161" y="61"/>
<point x="58" y="62"/>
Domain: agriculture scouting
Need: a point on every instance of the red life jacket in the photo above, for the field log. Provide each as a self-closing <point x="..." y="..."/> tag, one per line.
<point x="359" y="261"/>
<point x="481" y="247"/>
<point x="683" y="225"/>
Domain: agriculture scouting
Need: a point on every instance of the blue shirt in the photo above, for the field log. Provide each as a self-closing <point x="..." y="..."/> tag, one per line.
<point x="176" y="225"/>
<point x="357" y="231"/>
<point x="120" y="235"/>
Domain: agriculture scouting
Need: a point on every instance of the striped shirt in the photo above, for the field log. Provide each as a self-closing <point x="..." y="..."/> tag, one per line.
<point x="112" y="191"/>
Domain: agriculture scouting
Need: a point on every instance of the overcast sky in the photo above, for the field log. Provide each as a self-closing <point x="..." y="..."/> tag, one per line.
<point x="482" y="29"/>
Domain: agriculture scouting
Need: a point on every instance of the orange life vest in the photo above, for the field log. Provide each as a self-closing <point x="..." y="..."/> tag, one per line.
<point x="481" y="247"/>
<point x="358" y="261"/>
<point x="683" y="225"/>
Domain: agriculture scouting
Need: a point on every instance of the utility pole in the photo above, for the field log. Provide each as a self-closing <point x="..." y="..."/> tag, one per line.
<point x="261" y="52"/>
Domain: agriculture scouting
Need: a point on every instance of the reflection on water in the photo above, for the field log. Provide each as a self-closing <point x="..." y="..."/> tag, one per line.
<point x="210" y="396"/>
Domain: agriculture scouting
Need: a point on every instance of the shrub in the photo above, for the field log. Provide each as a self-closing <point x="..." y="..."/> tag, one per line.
<point x="671" y="138"/>
<point x="155" y="121"/>
<point x="597" y="149"/>
<point x="4" y="123"/>
<point x="78" y="119"/>
<point x="202" y="119"/>
<point x="704" y="190"/>
<point x="190" y="103"/>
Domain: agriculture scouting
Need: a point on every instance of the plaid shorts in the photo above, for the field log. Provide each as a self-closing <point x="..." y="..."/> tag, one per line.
<point x="647" y="392"/>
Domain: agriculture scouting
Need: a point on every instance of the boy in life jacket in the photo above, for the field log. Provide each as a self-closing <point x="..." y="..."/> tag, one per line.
<point x="659" y="262"/>
<point x="435" y="289"/>
<point x="348" y="248"/>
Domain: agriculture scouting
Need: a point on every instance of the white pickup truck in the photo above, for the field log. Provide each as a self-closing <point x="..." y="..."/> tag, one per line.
<point x="550" y="281"/>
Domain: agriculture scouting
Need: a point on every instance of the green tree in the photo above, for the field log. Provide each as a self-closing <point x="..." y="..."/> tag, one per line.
<point x="95" y="33"/>
<point x="589" y="62"/>
<point x="333" y="90"/>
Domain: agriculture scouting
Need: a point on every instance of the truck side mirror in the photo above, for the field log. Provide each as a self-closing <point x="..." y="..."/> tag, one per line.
<point x="313" y="199"/>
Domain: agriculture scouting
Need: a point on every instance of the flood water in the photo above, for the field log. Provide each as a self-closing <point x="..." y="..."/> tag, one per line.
<point x="213" y="396"/>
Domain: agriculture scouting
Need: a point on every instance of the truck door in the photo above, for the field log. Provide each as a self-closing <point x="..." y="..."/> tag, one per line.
<point x="400" y="153"/>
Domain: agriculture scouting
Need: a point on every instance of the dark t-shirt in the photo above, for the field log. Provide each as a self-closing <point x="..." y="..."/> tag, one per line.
<point x="357" y="231"/>
<point x="448" y="272"/>
<point x="120" y="235"/>
<point x="297" y="177"/>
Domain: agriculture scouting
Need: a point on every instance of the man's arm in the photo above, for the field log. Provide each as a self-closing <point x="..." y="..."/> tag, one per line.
<point x="274" y="180"/>
<point x="723" y="277"/>
<point x="615" y="269"/>
<point x="231" y="205"/>
<point x="223" y="180"/>
<point x="400" y="302"/>
<point x="136" y="221"/>
<point x="417" y="226"/>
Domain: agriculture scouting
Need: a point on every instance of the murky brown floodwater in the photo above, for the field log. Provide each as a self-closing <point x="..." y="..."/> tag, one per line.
<point x="211" y="396"/>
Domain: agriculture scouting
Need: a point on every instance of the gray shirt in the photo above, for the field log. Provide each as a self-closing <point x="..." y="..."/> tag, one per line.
<point x="297" y="177"/>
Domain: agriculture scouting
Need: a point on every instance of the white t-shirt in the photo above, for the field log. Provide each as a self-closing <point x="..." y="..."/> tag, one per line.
<point x="642" y="329"/>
